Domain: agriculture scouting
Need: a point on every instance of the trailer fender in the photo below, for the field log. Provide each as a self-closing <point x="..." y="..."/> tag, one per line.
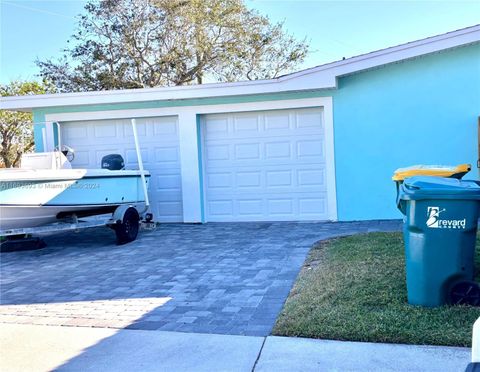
<point x="119" y="213"/>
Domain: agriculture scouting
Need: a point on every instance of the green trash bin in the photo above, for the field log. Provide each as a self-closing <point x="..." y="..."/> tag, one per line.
<point x="441" y="218"/>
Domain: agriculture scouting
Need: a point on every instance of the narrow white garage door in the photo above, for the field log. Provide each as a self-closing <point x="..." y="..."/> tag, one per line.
<point x="265" y="166"/>
<point x="159" y="144"/>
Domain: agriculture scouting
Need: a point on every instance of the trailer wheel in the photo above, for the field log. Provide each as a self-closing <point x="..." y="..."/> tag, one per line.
<point x="127" y="230"/>
<point x="465" y="293"/>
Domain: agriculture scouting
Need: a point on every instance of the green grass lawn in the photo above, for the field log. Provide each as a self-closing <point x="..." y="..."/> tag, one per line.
<point x="354" y="288"/>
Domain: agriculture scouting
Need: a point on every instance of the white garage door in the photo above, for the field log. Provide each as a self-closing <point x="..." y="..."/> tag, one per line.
<point x="158" y="139"/>
<point x="265" y="166"/>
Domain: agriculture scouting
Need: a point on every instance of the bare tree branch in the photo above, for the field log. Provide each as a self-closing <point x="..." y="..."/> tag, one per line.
<point x="123" y="44"/>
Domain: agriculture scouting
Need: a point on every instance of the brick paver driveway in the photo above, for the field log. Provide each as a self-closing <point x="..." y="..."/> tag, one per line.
<point x="212" y="278"/>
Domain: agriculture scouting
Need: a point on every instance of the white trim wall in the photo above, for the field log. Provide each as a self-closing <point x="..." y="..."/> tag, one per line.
<point x="190" y="164"/>
<point x="189" y="160"/>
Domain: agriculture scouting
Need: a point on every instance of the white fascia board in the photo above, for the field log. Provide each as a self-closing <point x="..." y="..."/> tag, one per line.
<point x="185" y="110"/>
<point x="167" y="93"/>
<point x="320" y="77"/>
<point x="395" y="54"/>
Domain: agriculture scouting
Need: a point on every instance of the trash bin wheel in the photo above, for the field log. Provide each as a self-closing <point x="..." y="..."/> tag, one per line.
<point x="465" y="293"/>
<point x="127" y="230"/>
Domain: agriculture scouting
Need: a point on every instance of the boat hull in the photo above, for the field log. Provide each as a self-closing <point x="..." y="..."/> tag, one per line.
<point x="32" y="199"/>
<point x="16" y="217"/>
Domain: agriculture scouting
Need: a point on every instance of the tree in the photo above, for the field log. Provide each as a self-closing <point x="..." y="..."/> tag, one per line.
<point x="16" y="132"/>
<point x="146" y="43"/>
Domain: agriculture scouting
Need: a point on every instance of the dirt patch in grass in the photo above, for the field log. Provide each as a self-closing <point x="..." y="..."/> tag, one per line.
<point x="354" y="288"/>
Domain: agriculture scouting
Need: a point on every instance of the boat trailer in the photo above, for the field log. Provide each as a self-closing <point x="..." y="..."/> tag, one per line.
<point x="126" y="219"/>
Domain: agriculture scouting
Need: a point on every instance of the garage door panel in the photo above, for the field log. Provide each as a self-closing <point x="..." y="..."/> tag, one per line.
<point x="167" y="211"/>
<point x="166" y="194"/>
<point x="245" y="123"/>
<point x="76" y="132"/>
<point x="312" y="206"/>
<point x="279" y="192"/>
<point x="270" y="208"/>
<point x="170" y="182"/>
<point x="311" y="176"/>
<point x="247" y="151"/>
<point x="220" y="208"/>
<point x="250" y="207"/>
<point x="218" y="152"/>
<point x="266" y="137"/>
<point x="167" y="156"/>
<point x="131" y="157"/>
<point x="248" y="179"/>
<point x="218" y="136"/>
<point x="275" y="180"/>
<point x="274" y="122"/>
<point x="265" y="166"/>
<point x="310" y="149"/>
<point x="278" y="178"/>
<point x="168" y="185"/>
<point x="219" y="180"/>
<point x="278" y="150"/>
<point x="128" y="131"/>
<point x="275" y="164"/>
<point x="309" y="119"/>
<point x="107" y="130"/>
<point x="280" y="207"/>
<point x="159" y="147"/>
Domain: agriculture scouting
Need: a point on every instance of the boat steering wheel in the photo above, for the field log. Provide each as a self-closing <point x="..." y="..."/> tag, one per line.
<point x="67" y="151"/>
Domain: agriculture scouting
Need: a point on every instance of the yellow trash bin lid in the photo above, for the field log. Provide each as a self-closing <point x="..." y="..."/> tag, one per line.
<point x="457" y="171"/>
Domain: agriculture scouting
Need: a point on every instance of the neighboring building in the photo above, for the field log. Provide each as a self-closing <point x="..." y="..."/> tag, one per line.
<point x="319" y="144"/>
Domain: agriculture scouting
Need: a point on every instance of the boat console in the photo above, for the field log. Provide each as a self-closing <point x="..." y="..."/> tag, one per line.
<point x="45" y="160"/>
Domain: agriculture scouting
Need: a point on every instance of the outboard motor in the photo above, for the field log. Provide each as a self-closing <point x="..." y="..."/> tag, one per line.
<point x="113" y="162"/>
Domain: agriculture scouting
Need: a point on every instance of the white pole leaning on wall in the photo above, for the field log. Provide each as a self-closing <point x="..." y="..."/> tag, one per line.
<point x="59" y="136"/>
<point x="59" y="140"/>
<point x="140" y="162"/>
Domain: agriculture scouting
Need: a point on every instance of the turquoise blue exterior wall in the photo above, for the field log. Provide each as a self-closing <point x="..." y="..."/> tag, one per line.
<point x="39" y="119"/>
<point x="423" y="110"/>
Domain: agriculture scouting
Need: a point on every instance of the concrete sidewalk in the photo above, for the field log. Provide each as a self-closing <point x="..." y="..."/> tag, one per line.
<point x="44" y="348"/>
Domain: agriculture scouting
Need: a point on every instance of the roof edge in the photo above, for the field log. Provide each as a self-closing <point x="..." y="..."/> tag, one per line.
<point x="326" y="77"/>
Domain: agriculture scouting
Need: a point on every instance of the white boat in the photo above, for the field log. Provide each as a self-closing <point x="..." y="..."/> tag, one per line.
<point x="46" y="190"/>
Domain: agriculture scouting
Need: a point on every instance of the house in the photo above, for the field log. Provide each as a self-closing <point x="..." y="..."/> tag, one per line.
<point x="318" y="144"/>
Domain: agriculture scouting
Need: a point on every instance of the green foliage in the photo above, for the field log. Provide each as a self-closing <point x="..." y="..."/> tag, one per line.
<point x="354" y="289"/>
<point x="123" y="44"/>
<point x="16" y="133"/>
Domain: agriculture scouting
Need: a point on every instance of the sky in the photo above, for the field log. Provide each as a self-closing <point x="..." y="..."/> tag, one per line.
<point x="40" y="29"/>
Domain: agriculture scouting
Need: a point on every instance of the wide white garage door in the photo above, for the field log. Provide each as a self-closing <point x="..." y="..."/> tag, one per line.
<point x="159" y="144"/>
<point x="265" y="166"/>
